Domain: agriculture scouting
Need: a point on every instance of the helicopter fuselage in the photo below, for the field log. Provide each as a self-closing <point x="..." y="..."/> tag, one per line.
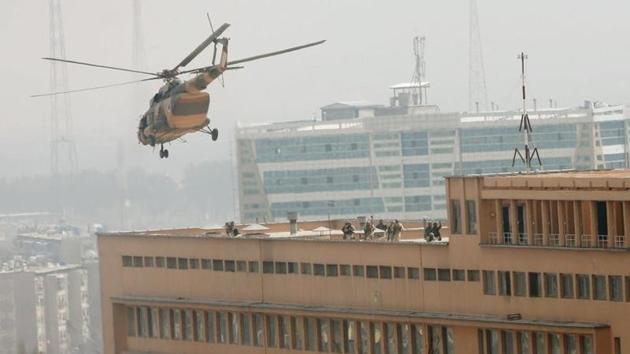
<point x="177" y="109"/>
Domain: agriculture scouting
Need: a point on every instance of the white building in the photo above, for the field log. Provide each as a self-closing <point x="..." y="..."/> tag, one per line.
<point x="364" y="159"/>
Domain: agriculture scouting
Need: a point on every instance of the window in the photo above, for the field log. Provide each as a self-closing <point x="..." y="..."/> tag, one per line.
<point x="281" y="267"/>
<point x="358" y="271"/>
<point x="430" y="274"/>
<point x="318" y="269"/>
<point x="583" y="286"/>
<point x="241" y="266"/>
<point x="551" y="285"/>
<point x="332" y="270"/>
<point x="271" y="331"/>
<point x="473" y="275"/>
<point x="617" y="345"/>
<point x="177" y="324"/>
<point x="137" y="261"/>
<point x="599" y="287"/>
<point x="539" y="343"/>
<point x="194" y="263"/>
<point x="298" y="329"/>
<point x="159" y="262"/>
<point x="171" y="262"/>
<point x="230" y="265"/>
<point x="258" y="330"/>
<point x="217" y="264"/>
<point x="523" y="342"/>
<point x="322" y="325"/>
<point x="385" y="272"/>
<point x="377" y="337"/>
<point x="148" y="262"/>
<point x="283" y="331"/>
<point x="471" y="217"/>
<point x="344" y="270"/>
<point x="337" y="335"/>
<point x="245" y="329"/>
<point x="586" y="342"/>
<point x="616" y="288"/>
<point x="188" y="325"/>
<point x="372" y="271"/>
<point x="413" y="273"/>
<point x="200" y="326"/>
<point x="489" y="283"/>
<point x="305" y="268"/>
<point x="292" y="268"/>
<point x="435" y="339"/>
<point x="570" y="343"/>
<point x="455" y="217"/>
<point x="127" y="261"/>
<point x="182" y="263"/>
<point x="459" y="275"/>
<point x="444" y="274"/>
<point x="252" y="266"/>
<point x="311" y="334"/>
<point x="399" y="272"/>
<point x="566" y="286"/>
<point x="418" y="341"/>
<point x="165" y="321"/>
<point x="206" y="264"/>
<point x="508" y="341"/>
<point x="554" y="340"/>
<point x="534" y="285"/>
<point x="520" y="284"/>
<point x="131" y="321"/>
<point x="267" y="267"/>
<point x="505" y="283"/>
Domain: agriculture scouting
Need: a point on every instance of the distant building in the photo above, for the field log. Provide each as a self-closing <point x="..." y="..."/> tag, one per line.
<point x="18" y="321"/>
<point x="529" y="263"/>
<point x="367" y="159"/>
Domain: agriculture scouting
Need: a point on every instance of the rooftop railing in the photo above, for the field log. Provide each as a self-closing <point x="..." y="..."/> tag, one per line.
<point x="555" y="240"/>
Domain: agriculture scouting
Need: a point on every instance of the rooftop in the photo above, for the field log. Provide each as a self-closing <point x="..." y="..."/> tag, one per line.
<point x="569" y="179"/>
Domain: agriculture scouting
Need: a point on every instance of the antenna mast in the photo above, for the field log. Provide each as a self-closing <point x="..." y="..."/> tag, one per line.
<point x="63" y="151"/>
<point x="419" y="73"/>
<point x="525" y="127"/>
<point x="477" y="92"/>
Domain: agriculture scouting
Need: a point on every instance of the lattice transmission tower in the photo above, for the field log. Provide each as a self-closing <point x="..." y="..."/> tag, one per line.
<point x="63" y="152"/>
<point x="477" y="92"/>
<point x="419" y="72"/>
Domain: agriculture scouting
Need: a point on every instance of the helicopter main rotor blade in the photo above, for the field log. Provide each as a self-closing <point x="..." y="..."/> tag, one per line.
<point x="101" y="66"/>
<point x="202" y="46"/>
<point x="261" y="56"/>
<point x="256" y="57"/>
<point x="95" y="88"/>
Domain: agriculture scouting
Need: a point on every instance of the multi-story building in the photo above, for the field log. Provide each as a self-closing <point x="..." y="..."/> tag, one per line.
<point x="18" y="323"/>
<point x="363" y="159"/>
<point x="534" y="264"/>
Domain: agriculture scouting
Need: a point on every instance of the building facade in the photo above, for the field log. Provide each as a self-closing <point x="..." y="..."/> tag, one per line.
<point x="532" y="290"/>
<point x="362" y="159"/>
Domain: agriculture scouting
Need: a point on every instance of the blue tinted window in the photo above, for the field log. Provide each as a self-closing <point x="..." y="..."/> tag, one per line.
<point x="416" y="175"/>
<point x="337" y="179"/>
<point x="309" y="148"/>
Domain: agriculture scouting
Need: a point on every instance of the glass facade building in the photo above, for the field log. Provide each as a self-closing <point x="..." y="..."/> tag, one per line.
<point x="391" y="162"/>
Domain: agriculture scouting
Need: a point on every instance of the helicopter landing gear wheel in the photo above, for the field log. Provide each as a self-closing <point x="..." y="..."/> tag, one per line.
<point x="163" y="152"/>
<point x="214" y="133"/>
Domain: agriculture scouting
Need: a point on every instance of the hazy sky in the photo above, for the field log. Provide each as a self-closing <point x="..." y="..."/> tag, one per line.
<point x="578" y="50"/>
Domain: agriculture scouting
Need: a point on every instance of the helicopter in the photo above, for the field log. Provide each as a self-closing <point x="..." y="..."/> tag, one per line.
<point x="180" y="107"/>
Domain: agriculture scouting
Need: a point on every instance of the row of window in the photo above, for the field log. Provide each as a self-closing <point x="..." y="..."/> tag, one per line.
<point x="503" y="283"/>
<point x="316" y="269"/>
<point x="492" y="341"/>
<point x="553" y="285"/>
<point x="296" y="333"/>
<point x="335" y="335"/>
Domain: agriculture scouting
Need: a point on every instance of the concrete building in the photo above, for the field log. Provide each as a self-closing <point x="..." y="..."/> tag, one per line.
<point x="365" y="159"/>
<point x="509" y="279"/>
<point x="18" y="322"/>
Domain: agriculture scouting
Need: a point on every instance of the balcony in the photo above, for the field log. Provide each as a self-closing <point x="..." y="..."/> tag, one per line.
<point x="557" y="241"/>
